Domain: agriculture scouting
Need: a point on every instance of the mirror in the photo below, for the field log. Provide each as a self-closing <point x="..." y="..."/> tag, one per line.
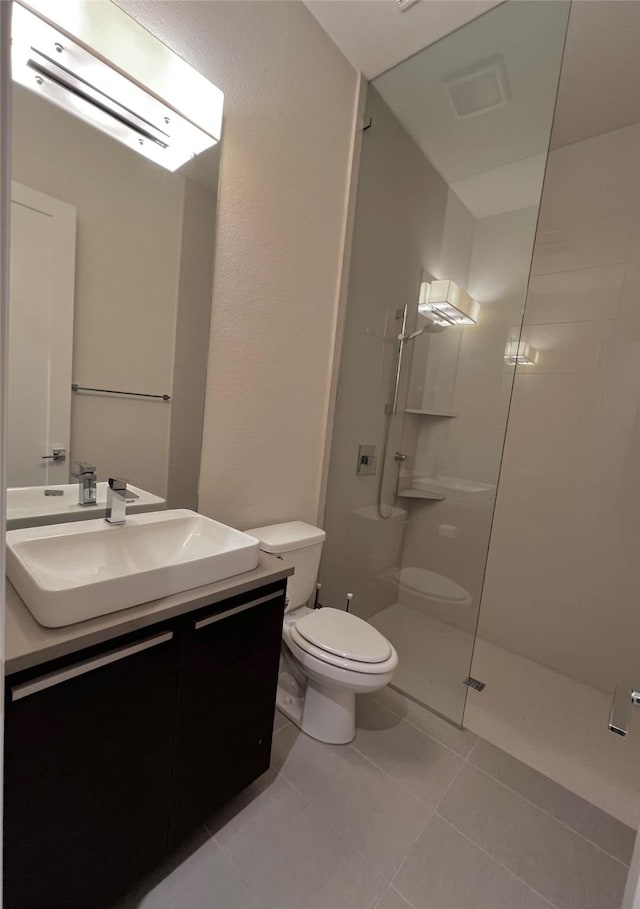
<point x="111" y="284"/>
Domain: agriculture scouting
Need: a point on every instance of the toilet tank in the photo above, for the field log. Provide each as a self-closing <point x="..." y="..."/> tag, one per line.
<point x="299" y="545"/>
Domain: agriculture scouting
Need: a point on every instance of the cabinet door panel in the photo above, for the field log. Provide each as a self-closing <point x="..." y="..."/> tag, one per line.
<point x="87" y="777"/>
<point x="226" y="702"/>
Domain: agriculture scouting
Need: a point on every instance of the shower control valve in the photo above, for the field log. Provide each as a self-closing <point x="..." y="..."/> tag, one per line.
<point x="367" y="461"/>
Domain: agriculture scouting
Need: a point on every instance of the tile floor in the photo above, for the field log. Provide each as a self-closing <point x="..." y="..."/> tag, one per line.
<point x="544" y="718"/>
<point x="557" y="725"/>
<point x="414" y="814"/>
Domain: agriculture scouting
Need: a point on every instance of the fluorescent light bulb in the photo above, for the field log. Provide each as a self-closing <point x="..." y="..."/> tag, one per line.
<point x="447" y="304"/>
<point x="54" y="66"/>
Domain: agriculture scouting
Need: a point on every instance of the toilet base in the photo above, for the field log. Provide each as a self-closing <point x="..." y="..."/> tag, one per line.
<point x="325" y="714"/>
<point x="329" y="714"/>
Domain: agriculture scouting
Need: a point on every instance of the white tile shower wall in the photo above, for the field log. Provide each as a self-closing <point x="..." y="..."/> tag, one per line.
<point x="562" y="582"/>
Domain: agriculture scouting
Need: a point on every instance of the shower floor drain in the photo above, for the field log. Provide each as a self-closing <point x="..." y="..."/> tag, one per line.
<point x="476" y="684"/>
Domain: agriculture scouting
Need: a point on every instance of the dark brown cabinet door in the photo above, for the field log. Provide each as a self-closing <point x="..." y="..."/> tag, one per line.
<point x="226" y="701"/>
<point x="87" y="772"/>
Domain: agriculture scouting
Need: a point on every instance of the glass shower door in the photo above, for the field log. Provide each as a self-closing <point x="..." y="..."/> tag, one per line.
<point x="449" y="185"/>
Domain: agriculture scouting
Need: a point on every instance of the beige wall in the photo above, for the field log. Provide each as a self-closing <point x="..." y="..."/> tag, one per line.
<point x="289" y="102"/>
<point x="562" y="583"/>
<point x="129" y="222"/>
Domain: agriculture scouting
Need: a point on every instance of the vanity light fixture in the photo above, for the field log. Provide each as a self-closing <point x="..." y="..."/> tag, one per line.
<point x="47" y="61"/>
<point x="447" y="304"/>
<point x="519" y="353"/>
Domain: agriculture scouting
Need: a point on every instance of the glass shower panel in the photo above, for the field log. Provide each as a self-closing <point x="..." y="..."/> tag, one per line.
<point x="449" y="185"/>
<point x="560" y="624"/>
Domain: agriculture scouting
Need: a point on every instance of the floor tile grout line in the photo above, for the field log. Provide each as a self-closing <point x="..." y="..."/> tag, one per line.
<point x="227" y="858"/>
<point x="547" y="813"/>
<point x="416" y="798"/>
<point x="395" y="779"/>
<point x="281" y="775"/>
<point x="424" y="734"/>
<point x="433" y="738"/>
<point x="397" y="892"/>
<point x="307" y="803"/>
<point x="389" y="777"/>
<point x="410" y="850"/>
<point x="382" y="770"/>
<point x="496" y="861"/>
<point x="451" y="782"/>
<point x="342" y="833"/>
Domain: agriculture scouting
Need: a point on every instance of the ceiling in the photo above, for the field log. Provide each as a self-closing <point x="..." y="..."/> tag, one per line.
<point x="494" y="159"/>
<point x="374" y="35"/>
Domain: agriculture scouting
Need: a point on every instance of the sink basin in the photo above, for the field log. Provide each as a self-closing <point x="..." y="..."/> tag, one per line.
<point x="67" y="573"/>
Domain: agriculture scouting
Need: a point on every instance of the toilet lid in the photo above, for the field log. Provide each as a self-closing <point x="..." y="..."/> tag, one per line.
<point x="344" y="634"/>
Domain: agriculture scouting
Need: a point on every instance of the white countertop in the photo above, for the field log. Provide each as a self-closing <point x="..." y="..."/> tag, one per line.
<point x="29" y="644"/>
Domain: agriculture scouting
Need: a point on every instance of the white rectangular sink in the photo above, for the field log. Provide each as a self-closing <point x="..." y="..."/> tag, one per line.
<point x="29" y="506"/>
<point x="67" y="573"/>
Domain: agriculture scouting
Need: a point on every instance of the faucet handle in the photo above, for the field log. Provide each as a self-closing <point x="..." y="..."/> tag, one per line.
<point x="118" y="484"/>
<point x="81" y="468"/>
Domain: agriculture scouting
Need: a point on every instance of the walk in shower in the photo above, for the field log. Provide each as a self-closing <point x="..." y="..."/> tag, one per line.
<point x="481" y="505"/>
<point x="450" y="178"/>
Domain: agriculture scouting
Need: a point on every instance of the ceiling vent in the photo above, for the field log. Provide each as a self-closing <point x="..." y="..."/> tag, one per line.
<point x="479" y="88"/>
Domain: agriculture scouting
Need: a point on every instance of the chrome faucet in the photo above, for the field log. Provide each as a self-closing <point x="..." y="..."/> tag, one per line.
<point x="85" y="474"/>
<point x="116" y="501"/>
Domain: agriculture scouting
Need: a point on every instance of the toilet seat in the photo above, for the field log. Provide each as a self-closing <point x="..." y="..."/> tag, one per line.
<point x="343" y="640"/>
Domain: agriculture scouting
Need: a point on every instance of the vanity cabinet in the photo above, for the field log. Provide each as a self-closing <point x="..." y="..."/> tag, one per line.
<point x="112" y="755"/>
<point x="226" y="701"/>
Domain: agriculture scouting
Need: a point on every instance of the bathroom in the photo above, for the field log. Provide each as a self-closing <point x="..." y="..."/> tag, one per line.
<point x="498" y="547"/>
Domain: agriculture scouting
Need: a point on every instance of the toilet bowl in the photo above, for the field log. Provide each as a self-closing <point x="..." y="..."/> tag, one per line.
<point x="329" y="655"/>
<point x="436" y="595"/>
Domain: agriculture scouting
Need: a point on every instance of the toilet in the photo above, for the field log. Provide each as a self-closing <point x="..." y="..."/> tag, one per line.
<point x="328" y="655"/>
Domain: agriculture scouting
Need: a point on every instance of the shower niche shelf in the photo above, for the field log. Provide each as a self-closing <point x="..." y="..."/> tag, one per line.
<point x="430" y="413"/>
<point x="411" y="493"/>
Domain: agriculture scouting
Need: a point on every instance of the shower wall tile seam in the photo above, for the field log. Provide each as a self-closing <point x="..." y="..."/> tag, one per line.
<point x="495" y="860"/>
<point x="538" y="808"/>
<point x="534" y="324"/>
